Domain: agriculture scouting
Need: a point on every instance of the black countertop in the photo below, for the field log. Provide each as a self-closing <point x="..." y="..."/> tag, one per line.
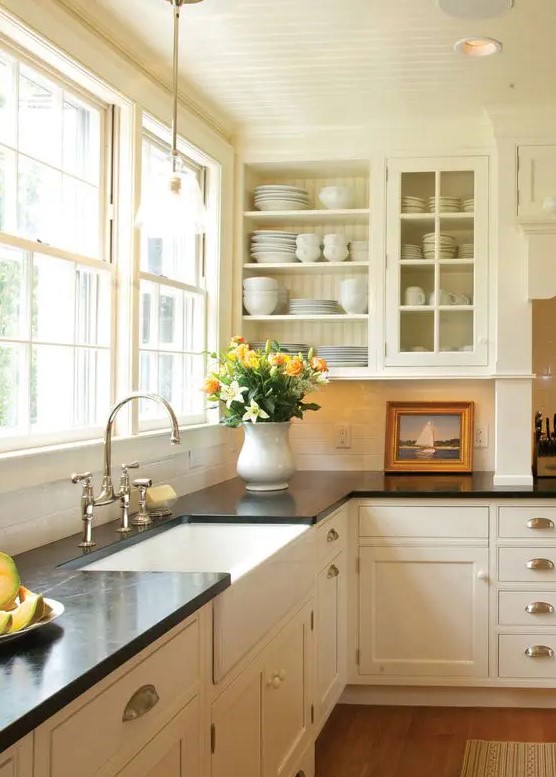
<point x="111" y="616"/>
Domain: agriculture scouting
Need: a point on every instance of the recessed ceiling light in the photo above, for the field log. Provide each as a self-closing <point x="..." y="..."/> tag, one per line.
<point x="478" y="47"/>
<point x="475" y="9"/>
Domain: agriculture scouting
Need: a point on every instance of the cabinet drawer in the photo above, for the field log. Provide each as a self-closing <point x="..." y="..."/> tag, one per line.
<point x="83" y="737"/>
<point x="423" y="521"/>
<point x="527" y="608"/>
<point x="331" y="537"/>
<point x="534" y="564"/>
<point x="527" y="522"/>
<point x="514" y="662"/>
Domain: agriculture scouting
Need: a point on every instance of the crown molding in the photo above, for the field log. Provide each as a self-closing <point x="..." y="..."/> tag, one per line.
<point x="201" y="112"/>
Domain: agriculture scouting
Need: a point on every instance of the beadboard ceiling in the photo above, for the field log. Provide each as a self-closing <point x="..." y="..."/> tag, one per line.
<point x="305" y="63"/>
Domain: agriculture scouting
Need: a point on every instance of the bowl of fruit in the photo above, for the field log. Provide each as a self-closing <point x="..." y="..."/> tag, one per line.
<point x="22" y="610"/>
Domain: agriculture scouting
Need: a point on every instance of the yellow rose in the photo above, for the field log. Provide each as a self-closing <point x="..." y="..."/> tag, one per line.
<point x="241" y="352"/>
<point x="236" y="340"/>
<point x="211" y="385"/>
<point x="319" y="365"/>
<point x="294" y="367"/>
<point x="251" y="360"/>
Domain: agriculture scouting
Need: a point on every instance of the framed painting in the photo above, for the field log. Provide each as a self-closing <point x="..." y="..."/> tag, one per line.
<point x="429" y="437"/>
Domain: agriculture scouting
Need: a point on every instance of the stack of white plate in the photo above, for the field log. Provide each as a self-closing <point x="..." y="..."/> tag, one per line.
<point x="295" y="348"/>
<point x="445" y="204"/>
<point x="280" y="197"/>
<point x="469" y="205"/>
<point x="466" y="251"/>
<point x="344" y="355"/>
<point x="413" y="204"/>
<point x="446" y="245"/>
<point x="313" y="307"/>
<point x="359" y="250"/>
<point x="411" y="251"/>
<point x="273" y="245"/>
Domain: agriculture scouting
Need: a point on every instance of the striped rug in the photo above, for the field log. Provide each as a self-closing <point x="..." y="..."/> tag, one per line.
<point x="508" y="759"/>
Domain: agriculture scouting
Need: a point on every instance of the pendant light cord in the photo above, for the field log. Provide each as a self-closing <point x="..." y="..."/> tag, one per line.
<point x="176" y="5"/>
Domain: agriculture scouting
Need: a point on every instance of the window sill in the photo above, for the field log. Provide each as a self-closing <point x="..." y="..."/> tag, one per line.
<point x="39" y="466"/>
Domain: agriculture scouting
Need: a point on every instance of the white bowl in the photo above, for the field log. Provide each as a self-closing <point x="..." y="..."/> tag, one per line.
<point x="260" y="283"/>
<point x="336" y="197"/>
<point x="263" y="304"/>
<point x="335" y="253"/>
<point x="354" y="302"/>
<point x="308" y="238"/>
<point x="308" y="253"/>
<point x="336" y="238"/>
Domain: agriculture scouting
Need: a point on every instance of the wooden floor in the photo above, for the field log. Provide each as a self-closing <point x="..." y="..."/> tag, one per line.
<point x="365" y="741"/>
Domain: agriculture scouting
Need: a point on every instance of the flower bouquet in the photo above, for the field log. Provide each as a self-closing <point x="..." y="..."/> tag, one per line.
<point x="263" y="390"/>
<point x="264" y="385"/>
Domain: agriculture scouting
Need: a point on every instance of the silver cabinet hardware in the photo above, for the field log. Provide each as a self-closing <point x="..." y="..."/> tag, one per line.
<point x="539" y="651"/>
<point x="538" y="608"/>
<point x="142" y="518"/>
<point x="333" y="571"/>
<point x="540" y="523"/>
<point x="332" y="536"/>
<point x="540" y="563"/>
<point x="142" y="701"/>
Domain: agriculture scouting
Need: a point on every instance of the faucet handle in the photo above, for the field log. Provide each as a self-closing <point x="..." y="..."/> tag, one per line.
<point x="78" y="478"/>
<point x="133" y="465"/>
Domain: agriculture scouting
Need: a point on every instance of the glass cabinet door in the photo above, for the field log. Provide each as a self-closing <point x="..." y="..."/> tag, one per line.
<point x="437" y="262"/>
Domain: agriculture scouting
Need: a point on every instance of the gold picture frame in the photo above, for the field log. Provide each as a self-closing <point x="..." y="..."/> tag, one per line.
<point x="430" y="437"/>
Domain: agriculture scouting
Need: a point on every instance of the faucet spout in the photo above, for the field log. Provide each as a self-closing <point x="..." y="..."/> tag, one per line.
<point x="107" y="494"/>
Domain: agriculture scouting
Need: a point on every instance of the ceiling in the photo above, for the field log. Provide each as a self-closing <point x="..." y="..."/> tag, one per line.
<point x="307" y="63"/>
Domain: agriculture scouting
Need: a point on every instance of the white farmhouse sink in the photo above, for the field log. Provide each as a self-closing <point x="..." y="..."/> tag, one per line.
<point x="271" y="566"/>
<point x="202" y="547"/>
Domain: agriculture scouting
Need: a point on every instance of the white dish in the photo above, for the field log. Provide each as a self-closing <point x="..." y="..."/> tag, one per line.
<point x="57" y="608"/>
<point x="274" y="257"/>
<point x="282" y="205"/>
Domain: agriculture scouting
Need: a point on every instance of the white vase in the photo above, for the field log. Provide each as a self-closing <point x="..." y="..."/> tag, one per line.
<point x="265" y="461"/>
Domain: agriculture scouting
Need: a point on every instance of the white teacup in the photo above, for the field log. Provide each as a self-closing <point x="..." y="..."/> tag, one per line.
<point x="414" y="295"/>
<point x="461" y="299"/>
<point x="442" y="297"/>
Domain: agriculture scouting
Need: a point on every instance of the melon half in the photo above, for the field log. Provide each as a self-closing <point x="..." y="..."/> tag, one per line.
<point x="9" y="582"/>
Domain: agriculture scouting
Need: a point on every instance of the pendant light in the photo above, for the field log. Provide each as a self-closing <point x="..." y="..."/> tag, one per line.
<point x="175" y="207"/>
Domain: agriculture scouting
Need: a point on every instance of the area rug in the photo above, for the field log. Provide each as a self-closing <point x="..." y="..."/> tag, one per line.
<point x="508" y="759"/>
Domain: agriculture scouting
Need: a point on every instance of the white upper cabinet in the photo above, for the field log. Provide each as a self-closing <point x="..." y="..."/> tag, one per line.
<point x="437" y="263"/>
<point x="312" y="310"/>
<point x="536" y="179"/>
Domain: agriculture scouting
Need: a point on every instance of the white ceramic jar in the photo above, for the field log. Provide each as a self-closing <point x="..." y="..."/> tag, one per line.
<point x="335" y="253"/>
<point x="336" y="197"/>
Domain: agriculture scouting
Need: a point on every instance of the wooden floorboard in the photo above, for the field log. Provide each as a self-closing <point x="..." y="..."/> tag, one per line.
<point x="366" y="741"/>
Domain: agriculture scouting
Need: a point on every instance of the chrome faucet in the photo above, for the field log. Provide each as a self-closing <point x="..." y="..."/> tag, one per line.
<point x="107" y="494"/>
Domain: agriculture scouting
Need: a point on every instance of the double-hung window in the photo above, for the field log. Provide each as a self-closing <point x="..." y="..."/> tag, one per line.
<point x="55" y="271"/>
<point x="172" y="303"/>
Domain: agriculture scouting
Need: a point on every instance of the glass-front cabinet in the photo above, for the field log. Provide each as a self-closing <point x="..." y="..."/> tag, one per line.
<point x="437" y="262"/>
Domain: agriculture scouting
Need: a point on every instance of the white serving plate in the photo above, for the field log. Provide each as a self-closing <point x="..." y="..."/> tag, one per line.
<point x="282" y="205"/>
<point x="274" y="257"/>
<point x="57" y="610"/>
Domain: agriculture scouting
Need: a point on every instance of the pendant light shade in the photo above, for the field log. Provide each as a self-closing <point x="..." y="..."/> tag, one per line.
<point x="173" y="205"/>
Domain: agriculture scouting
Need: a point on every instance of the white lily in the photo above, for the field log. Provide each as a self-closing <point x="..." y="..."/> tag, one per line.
<point x="232" y="393"/>
<point x="254" y="412"/>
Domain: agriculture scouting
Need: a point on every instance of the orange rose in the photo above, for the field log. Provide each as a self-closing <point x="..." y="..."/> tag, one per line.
<point x="294" y="367"/>
<point x="211" y="385"/>
<point x="277" y="359"/>
<point x="236" y="340"/>
<point x="319" y="365"/>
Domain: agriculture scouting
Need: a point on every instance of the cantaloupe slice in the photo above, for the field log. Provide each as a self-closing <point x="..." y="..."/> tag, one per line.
<point x="26" y="612"/>
<point x="24" y="594"/>
<point x="9" y="582"/>
<point x="5" y="622"/>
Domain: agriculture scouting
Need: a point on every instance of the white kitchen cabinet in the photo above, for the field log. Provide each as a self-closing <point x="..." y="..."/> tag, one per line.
<point x="437" y="263"/>
<point x="17" y="761"/>
<point x="318" y="280"/>
<point x="172" y="752"/>
<point x="261" y="723"/>
<point x="331" y="614"/>
<point x="423" y="611"/>
<point x="536" y="179"/>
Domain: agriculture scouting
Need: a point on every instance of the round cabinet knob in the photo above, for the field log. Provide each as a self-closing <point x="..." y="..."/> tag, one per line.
<point x="282" y="674"/>
<point x="276" y="682"/>
<point x="482" y="575"/>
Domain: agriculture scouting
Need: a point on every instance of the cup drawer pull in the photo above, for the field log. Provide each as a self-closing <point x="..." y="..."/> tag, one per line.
<point x="333" y="571"/>
<point x="540" y="523"/>
<point x="539" y="651"/>
<point x="540" y="563"/>
<point x="538" y="608"/>
<point x="332" y="536"/>
<point x="142" y="701"/>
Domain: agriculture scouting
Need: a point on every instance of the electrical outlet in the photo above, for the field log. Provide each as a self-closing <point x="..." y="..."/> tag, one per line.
<point x="343" y="436"/>
<point x="481" y="437"/>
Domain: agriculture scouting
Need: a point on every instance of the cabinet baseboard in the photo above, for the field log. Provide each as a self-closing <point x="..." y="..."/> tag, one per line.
<point x="449" y="697"/>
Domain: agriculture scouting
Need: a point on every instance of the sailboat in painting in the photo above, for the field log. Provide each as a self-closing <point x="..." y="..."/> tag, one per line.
<point x="425" y="442"/>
